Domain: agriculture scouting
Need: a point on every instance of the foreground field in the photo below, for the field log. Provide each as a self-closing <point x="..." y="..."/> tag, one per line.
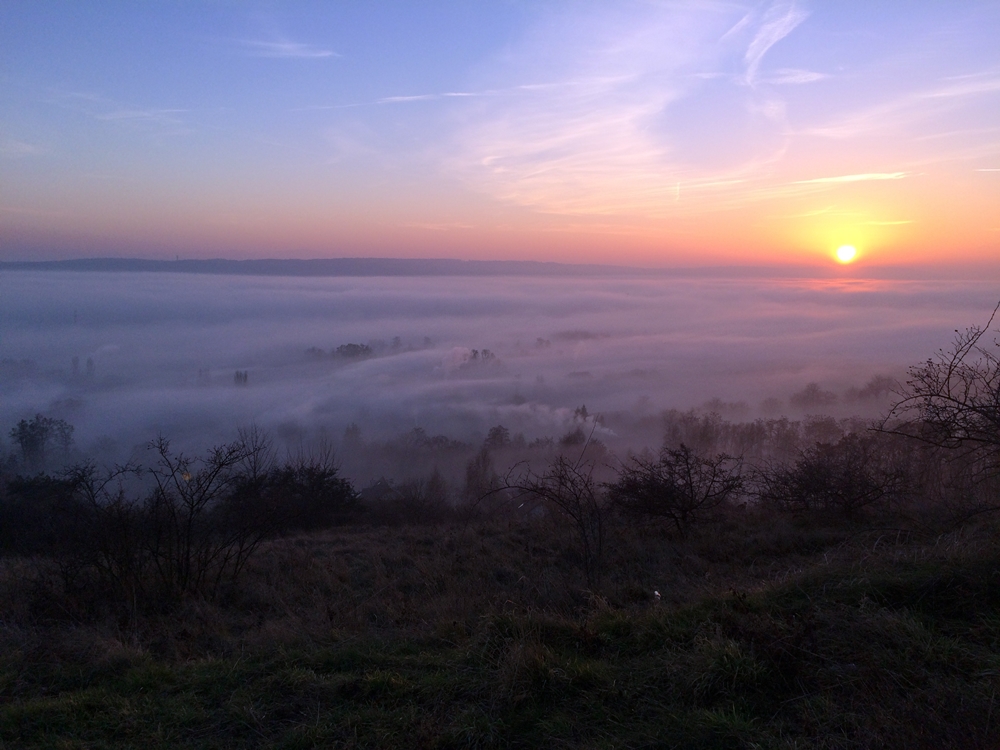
<point x="766" y="635"/>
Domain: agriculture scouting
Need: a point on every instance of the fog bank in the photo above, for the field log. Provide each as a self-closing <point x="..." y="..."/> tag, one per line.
<point x="127" y="356"/>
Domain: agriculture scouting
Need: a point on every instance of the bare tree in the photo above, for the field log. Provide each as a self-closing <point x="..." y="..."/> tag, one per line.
<point x="181" y="526"/>
<point x="110" y="533"/>
<point x="952" y="400"/>
<point x="569" y="491"/>
<point x="855" y="473"/>
<point x="679" y="485"/>
<point x="203" y="520"/>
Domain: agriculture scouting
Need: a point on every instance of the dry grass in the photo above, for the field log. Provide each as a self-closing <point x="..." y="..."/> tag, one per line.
<point x="770" y="632"/>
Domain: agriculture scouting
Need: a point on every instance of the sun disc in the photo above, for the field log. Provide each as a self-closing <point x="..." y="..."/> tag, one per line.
<point x="846" y="253"/>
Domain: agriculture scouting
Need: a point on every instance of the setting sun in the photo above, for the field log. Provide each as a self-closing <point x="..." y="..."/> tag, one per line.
<point x="846" y="253"/>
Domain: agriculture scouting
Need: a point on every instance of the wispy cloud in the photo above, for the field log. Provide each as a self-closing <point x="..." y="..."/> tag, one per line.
<point x="779" y="21"/>
<point x="786" y="76"/>
<point x="160" y="121"/>
<point x="15" y="149"/>
<point x="649" y="110"/>
<point x="402" y="99"/>
<point x="285" y="49"/>
<point x="610" y="133"/>
<point x="866" y="177"/>
<point x="159" y="116"/>
<point x="427" y="97"/>
<point x="410" y="98"/>
<point x="906" y="109"/>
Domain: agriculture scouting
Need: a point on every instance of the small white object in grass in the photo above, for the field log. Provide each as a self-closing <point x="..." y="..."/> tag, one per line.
<point x="656" y="595"/>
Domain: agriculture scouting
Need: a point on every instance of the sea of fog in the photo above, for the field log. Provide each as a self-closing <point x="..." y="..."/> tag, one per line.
<point x="128" y="356"/>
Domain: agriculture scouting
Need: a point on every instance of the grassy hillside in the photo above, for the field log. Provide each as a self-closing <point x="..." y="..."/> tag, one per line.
<point x="767" y="634"/>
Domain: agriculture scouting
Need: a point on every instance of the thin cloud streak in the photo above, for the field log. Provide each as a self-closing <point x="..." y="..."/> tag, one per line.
<point x="854" y="178"/>
<point x="285" y="49"/>
<point x="15" y="149"/>
<point x="601" y="147"/>
<point x="779" y="21"/>
<point x="904" y="110"/>
<point x="788" y="76"/>
<point x="164" y="121"/>
<point x="159" y="116"/>
<point x="666" y="131"/>
<point x="410" y="98"/>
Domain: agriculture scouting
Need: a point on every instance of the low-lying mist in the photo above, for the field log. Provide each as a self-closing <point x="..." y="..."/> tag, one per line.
<point x="125" y="357"/>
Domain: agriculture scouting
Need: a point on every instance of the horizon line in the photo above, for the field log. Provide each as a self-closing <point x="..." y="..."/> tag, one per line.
<point x="396" y="266"/>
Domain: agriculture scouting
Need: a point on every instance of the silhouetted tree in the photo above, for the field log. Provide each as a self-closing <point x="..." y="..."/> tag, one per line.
<point x="353" y="351"/>
<point x="480" y="477"/>
<point x="498" y="437"/>
<point x="812" y="396"/>
<point x="679" y="486"/>
<point x="569" y="492"/>
<point x="845" y="477"/>
<point x="952" y="401"/>
<point x="36" y="436"/>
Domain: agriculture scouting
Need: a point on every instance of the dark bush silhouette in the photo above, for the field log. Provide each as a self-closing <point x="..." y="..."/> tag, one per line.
<point x="573" y="438"/>
<point x="812" y="397"/>
<point x="38" y="437"/>
<point x="679" y="486"/>
<point x="183" y="526"/>
<point x="353" y="351"/>
<point x="306" y="496"/>
<point x="418" y="501"/>
<point x="569" y="492"/>
<point x="39" y="515"/>
<point x="844" y="478"/>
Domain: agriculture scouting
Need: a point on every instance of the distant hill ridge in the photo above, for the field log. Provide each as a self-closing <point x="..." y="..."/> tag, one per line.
<point x="329" y="267"/>
<point x="452" y="267"/>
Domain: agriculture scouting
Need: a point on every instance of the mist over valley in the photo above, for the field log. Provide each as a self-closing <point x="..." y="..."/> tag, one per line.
<point x="126" y="357"/>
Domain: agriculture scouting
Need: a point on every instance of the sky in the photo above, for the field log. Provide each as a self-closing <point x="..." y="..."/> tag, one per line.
<point x="648" y="133"/>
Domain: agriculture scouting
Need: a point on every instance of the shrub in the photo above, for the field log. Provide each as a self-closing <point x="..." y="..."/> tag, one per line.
<point x="845" y="477"/>
<point x="353" y="351"/>
<point x="569" y="492"/>
<point x="305" y="496"/>
<point x="414" y="502"/>
<point x="180" y="527"/>
<point x="679" y="486"/>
